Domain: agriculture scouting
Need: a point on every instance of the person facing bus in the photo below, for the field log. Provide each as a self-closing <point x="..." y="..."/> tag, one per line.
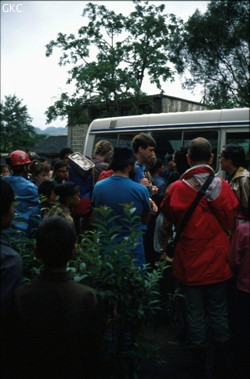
<point x="102" y="155"/>
<point x="119" y="190"/>
<point x="200" y="258"/>
<point x="27" y="207"/>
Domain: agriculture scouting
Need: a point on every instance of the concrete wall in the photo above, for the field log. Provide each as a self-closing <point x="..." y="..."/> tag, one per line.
<point x="76" y="137"/>
<point x="177" y="105"/>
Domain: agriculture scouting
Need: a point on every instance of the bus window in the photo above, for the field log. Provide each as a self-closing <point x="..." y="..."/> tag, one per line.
<point x="239" y="138"/>
<point x="126" y="138"/>
<point x="211" y="136"/>
<point x="166" y="143"/>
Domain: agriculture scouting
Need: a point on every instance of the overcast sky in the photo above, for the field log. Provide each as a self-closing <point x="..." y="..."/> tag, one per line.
<point x="26" y="29"/>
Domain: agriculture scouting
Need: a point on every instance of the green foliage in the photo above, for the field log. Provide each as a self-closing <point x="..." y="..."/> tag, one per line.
<point x="215" y="50"/>
<point x="16" y="130"/>
<point x="112" y="54"/>
<point x="25" y="247"/>
<point x="129" y="296"/>
<point x="68" y="106"/>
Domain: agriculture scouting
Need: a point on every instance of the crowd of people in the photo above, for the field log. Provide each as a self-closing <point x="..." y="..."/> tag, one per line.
<point x="56" y="204"/>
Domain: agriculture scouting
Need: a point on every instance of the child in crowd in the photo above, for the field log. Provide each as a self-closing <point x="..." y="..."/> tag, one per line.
<point x="46" y="191"/>
<point x="52" y="329"/>
<point x="40" y="171"/>
<point x="68" y="194"/>
<point x="60" y="172"/>
<point x="4" y="170"/>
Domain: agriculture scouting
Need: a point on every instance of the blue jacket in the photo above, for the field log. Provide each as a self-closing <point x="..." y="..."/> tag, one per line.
<point x="11" y="274"/>
<point x="27" y="204"/>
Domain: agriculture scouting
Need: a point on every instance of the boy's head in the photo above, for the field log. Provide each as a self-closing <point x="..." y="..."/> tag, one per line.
<point x="40" y="171"/>
<point x="60" y="169"/>
<point x="144" y="147"/>
<point x="55" y="242"/>
<point x="47" y="188"/>
<point x="69" y="193"/>
<point x="157" y="167"/>
<point x="232" y="156"/>
<point x="6" y="204"/>
<point x="122" y="157"/>
<point x="4" y="170"/>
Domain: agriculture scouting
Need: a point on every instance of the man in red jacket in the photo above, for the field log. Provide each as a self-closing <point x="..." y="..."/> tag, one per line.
<point x="200" y="258"/>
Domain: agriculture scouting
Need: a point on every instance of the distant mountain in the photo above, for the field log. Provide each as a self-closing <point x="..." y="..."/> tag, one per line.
<point x="52" y="130"/>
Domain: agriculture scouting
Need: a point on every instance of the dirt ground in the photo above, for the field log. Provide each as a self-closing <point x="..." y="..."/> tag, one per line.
<point x="172" y="350"/>
<point x="183" y="363"/>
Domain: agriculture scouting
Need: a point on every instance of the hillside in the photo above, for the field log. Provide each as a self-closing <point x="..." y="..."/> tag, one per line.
<point x="52" y="130"/>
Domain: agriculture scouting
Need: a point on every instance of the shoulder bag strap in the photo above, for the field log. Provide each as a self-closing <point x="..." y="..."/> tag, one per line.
<point x="189" y="212"/>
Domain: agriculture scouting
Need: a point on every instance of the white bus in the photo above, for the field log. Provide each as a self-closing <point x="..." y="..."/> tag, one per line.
<point x="174" y="130"/>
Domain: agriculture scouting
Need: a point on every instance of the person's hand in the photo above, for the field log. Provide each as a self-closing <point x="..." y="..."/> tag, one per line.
<point x="154" y="190"/>
<point x="153" y="206"/>
<point x="144" y="181"/>
<point x="165" y="257"/>
<point x="168" y="259"/>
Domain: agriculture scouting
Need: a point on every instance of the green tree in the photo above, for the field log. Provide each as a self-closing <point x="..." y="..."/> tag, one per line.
<point x="16" y="129"/>
<point x="215" y="50"/>
<point x="127" y="49"/>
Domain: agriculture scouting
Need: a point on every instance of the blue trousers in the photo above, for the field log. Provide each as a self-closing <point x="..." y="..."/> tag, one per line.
<point x="206" y="309"/>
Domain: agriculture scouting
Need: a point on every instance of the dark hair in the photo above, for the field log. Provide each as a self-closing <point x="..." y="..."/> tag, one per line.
<point x="236" y="153"/>
<point x="7" y="197"/>
<point x="34" y="156"/>
<point x="46" y="187"/>
<point x="3" y="166"/>
<point x="36" y="167"/>
<point x="55" y="240"/>
<point x="180" y="159"/>
<point x="19" y="170"/>
<point x="66" y="190"/>
<point x="65" y="151"/>
<point x="123" y="156"/>
<point x="200" y="150"/>
<point x="142" y="140"/>
<point x="158" y="164"/>
<point x="59" y="164"/>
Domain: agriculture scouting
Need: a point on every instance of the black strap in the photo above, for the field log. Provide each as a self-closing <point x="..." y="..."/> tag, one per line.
<point x="189" y="212"/>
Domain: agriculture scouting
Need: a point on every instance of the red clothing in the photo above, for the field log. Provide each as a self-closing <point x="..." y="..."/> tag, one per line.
<point x="105" y="174"/>
<point x="239" y="256"/>
<point x="201" y="252"/>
